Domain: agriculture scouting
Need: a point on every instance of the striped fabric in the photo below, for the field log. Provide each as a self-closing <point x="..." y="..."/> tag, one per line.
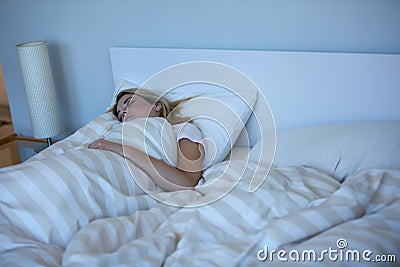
<point x="72" y="206"/>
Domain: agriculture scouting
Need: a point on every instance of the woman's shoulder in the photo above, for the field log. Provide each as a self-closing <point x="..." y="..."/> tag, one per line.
<point x="187" y="130"/>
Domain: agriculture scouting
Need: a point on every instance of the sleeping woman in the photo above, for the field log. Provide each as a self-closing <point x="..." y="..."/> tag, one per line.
<point x="83" y="178"/>
<point x="132" y="104"/>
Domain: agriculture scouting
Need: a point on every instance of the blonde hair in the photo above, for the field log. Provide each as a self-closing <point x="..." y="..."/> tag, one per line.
<point x="170" y="109"/>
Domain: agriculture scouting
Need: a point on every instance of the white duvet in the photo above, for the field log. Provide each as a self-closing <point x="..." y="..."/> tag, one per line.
<point x="72" y="206"/>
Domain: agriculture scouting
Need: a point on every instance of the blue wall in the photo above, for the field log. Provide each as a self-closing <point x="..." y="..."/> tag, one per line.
<point x="79" y="33"/>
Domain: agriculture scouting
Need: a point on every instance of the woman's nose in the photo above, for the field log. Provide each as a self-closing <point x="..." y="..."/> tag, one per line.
<point x="123" y="109"/>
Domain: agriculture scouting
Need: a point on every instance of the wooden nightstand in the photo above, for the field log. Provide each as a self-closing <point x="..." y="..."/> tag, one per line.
<point x="16" y="149"/>
<point x="9" y="154"/>
<point x="8" y="146"/>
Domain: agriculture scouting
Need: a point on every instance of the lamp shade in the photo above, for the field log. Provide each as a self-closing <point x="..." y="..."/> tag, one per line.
<point x="39" y="89"/>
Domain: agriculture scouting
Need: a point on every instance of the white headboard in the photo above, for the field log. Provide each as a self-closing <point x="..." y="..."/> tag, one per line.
<point x="302" y="88"/>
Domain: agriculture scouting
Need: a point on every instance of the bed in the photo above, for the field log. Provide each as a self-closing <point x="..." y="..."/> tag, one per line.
<point x="302" y="167"/>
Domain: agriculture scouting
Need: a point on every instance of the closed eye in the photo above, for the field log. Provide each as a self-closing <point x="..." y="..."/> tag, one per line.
<point x="129" y="101"/>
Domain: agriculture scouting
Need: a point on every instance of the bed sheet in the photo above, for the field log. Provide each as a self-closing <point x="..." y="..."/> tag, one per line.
<point x="100" y="218"/>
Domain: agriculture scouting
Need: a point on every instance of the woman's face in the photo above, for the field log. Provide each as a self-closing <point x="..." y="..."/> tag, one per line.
<point x="132" y="106"/>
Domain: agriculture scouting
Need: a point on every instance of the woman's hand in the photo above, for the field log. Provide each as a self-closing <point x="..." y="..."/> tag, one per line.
<point x="106" y="145"/>
<point x="185" y="176"/>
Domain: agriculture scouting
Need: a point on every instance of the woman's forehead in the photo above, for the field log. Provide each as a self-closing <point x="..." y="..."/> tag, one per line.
<point x="125" y="96"/>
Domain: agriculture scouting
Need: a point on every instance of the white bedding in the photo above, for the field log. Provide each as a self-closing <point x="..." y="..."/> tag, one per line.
<point x="71" y="206"/>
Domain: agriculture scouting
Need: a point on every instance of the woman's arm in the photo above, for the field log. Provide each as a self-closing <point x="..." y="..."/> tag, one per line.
<point x="185" y="176"/>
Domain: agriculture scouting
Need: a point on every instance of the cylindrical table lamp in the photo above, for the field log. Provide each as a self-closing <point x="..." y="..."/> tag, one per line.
<point x="39" y="89"/>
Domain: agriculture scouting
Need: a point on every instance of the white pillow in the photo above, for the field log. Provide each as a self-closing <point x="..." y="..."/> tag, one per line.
<point x="121" y="86"/>
<point x="340" y="149"/>
<point x="219" y="113"/>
